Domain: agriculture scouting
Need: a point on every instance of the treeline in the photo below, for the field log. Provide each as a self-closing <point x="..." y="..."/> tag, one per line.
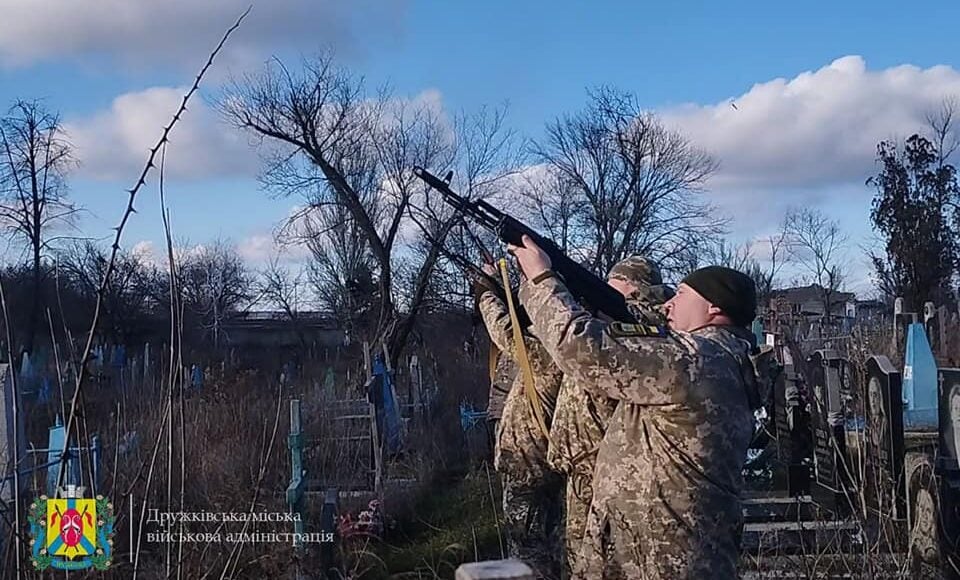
<point x="604" y="182"/>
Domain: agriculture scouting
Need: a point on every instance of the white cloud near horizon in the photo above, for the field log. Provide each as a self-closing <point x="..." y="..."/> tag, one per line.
<point x="260" y="248"/>
<point x="811" y="140"/>
<point x="817" y="129"/>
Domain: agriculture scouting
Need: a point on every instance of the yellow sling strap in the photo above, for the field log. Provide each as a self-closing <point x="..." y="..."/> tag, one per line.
<point x="528" y="385"/>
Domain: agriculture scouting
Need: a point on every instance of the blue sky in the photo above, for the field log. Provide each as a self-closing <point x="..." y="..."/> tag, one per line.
<point x="805" y="140"/>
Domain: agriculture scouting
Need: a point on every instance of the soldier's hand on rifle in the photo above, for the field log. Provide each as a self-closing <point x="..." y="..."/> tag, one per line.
<point x="533" y="260"/>
<point x="482" y="284"/>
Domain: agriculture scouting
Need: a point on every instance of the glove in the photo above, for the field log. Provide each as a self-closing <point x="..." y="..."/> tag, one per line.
<point x="481" y="285"/>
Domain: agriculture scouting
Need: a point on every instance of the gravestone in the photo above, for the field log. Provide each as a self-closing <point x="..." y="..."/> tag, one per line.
<point x="949" y="424"/>
<point x="298" y="475"/>
<point x="11" y="446"/>
<point x="757" y="329"/>
<point x="943" y="317"/>
<point x="56" y="445"/>
<point x="919" y="382"/>
<point x="885" y="484"/>
<point x="831" y="468"/>
<point x="947" y="460"/>
<point x="791" y="422"/>
<point x="146" y="363"/>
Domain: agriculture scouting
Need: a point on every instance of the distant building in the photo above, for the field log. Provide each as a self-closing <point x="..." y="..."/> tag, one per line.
<point x="804" y="307"/>
<point x="271" y="329"/>
<point x="807" y="302"/>
<point x="872" y="312"/>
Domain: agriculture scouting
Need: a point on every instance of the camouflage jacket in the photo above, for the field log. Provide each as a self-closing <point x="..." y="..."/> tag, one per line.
<point x="504" y="374"/>
<point x="581" y="417"/>
<point x="521" y="448"/>
<point x="668" y="474"/>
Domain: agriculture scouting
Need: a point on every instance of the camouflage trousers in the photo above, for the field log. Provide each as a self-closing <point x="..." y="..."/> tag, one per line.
<point x="579" y="493"/>
<point x="656" y="544"/>
<point x="533" y="522"/>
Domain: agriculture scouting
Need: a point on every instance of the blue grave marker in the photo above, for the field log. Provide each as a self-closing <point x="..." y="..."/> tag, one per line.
<point x="196" y="377"/>
<point x="56" y="442"/>
<point x="119" y="356"/>
<point x="391" y="410"/>
<point x="919" y="382"/>
<point x="45" y="390"/>
<point x="758" y="330"/>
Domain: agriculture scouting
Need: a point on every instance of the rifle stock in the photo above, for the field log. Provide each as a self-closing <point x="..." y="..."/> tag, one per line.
<point x="591" y="290"/>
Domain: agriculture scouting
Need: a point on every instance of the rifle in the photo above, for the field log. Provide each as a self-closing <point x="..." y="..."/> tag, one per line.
<point x="471" y="269"/>
<point x="590" y="290"/>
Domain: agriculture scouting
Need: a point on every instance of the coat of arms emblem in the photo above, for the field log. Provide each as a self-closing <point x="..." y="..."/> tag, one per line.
<point x="71" y="532"/>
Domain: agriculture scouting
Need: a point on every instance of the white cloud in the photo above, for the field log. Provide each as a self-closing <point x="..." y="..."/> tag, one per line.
<point x="258" y="249"/>
<point x="811" y="141"/>
<point x="145" y="252"/>
<point x="819" y="128"/>
<point x="183" y="32"/>
<point x="114" y="144"/>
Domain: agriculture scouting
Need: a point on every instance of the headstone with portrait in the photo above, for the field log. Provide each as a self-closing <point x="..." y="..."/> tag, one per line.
<point x="949" y="390"/>
<point x="948" y="456"/>
<point x="826" y="372"/>
<point x="885" y="487"/>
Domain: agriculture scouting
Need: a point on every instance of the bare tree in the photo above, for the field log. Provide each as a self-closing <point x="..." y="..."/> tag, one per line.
<point x="557" y="209"/>
<point x="329" y="145"/>
<point x="742" y="257"/>
<point x="34" y="159"/>
<point x="816" y="244"/>
<point x="942" y="131"/>
<point x="287" y="290"/>
<point x="215" y="283"/>
<point x="129" y="298"/>
<point x="766" y="273"/>
<point x="736" y="256"/>
<point x="341" y="268"/>
<point x="637" y="180"/>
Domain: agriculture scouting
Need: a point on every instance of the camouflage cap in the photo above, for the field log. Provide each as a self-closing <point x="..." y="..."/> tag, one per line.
<point x="636" y="270"/>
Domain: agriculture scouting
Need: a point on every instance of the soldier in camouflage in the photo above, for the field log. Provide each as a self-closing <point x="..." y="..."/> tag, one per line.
<point x="504" y="373"/>
<point x="668" y="475"/>
<point x="531" y="490"/>
<point x="581" y="418"/>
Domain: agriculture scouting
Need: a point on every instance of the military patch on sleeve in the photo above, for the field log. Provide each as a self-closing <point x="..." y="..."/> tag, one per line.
<point x="625" y="329"/>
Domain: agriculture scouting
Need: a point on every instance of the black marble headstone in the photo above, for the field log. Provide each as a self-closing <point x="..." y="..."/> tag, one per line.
<point x="883" y="440"/>
<point x="947" y="465"/>
<point x="825" y="373"/>
<point x="791" y="424"/>
<point x="949" y="390"/>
